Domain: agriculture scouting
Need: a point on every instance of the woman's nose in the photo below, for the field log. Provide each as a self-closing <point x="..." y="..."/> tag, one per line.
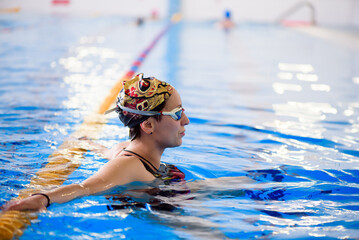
<point x="185" y="120"/>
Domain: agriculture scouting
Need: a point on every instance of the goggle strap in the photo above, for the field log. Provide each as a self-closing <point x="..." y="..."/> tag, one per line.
<point x="145" y="113"/>
<point x="110" y="110"/>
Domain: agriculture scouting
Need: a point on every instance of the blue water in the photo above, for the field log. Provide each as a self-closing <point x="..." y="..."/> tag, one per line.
<point x="269" y="104"/>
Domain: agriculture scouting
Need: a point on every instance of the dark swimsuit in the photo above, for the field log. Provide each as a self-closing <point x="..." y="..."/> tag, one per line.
<point x="167" y="174"/>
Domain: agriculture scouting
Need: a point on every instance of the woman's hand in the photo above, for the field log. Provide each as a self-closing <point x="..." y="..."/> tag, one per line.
<point x="34" y="203"/>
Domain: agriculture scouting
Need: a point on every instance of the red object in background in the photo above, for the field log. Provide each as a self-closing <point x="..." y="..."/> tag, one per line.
<point x="60" y="2"/>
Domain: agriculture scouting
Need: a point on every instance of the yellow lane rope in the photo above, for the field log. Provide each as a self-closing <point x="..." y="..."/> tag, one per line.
<point x="10" y="10"/>
<point x="67" y="158"/>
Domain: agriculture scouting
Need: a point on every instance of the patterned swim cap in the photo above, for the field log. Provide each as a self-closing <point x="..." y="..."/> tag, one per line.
<point x="142" y="94"/>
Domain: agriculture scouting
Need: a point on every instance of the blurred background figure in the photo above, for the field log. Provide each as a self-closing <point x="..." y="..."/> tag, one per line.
<point x="139" y="21"/>
<point x="154" y="14"/>
<point x="227" y="23"/>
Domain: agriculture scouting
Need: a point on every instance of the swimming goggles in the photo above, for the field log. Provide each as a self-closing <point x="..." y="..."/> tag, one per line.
<point x="176" y="113"/>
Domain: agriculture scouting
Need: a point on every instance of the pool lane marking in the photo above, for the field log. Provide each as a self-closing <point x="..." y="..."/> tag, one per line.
<point x="67" y="158"/>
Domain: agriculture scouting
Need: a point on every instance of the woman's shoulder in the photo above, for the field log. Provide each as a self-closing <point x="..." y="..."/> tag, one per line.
<point x="131" y="166"/>
<point x="114" y="152"/>
<point x="119" y="171"/>
<point x="125" y="160"/>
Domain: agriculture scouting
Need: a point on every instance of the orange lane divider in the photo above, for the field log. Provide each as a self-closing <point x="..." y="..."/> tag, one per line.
<point x="67" y="158"/>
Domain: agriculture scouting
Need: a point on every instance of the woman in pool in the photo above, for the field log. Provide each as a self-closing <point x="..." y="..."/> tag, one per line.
<point x="153" y="111"/>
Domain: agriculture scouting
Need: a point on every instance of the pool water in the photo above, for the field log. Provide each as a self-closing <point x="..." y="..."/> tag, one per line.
<point x="274" y="129"/>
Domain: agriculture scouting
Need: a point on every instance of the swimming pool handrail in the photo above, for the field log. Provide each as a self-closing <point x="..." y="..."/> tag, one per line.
<point x="297" y="7"/>
<point x="66" y="159"/>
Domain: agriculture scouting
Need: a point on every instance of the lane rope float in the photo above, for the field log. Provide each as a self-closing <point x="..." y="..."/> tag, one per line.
<point x="67" y="158"/>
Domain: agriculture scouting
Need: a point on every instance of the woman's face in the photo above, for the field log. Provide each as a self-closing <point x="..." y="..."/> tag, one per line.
<point x="169" y="132"/>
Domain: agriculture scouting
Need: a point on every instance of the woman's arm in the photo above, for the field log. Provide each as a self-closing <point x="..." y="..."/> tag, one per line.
<point x="39" y="202"/>
<point x="116" y="172"/>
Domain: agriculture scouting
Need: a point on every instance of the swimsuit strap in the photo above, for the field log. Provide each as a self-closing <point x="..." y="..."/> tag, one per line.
<point x="144" y="161"/>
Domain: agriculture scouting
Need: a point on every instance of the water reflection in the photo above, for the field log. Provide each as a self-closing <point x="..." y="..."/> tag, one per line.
<point x="306" y="77"/>
<point x="285" y="75"/>
<point x="320" y="87"/>
<point x="289" y="67"/>
<point x="304" y="129"/>
<point x="280" y="88"/>
<point x="92" y="70"/>
<point x="304" y="112"/>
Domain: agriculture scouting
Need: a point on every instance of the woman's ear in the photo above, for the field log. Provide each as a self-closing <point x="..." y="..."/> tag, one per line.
<point x="147" y="126"/>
